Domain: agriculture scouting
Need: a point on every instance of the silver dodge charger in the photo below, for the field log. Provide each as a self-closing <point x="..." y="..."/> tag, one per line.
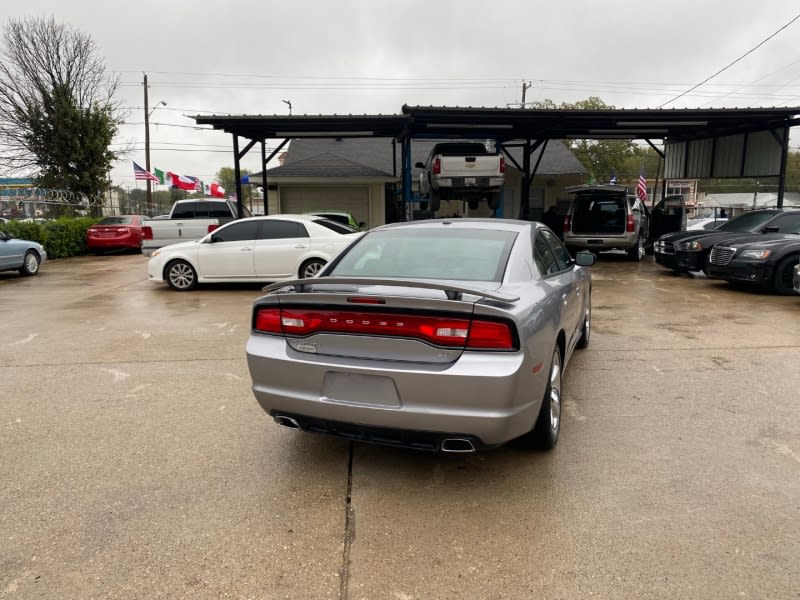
<point x="441" y="335"/>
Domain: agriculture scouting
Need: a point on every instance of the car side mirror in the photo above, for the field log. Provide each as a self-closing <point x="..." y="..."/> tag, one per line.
<point x="585" y="258"/>
<point x="772" y="229"/>
<point x="419" y="165"/>
<point x="361" y="224"/>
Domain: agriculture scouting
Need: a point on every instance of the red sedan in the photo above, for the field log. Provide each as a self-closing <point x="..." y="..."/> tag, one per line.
<point x="115" y="233"/>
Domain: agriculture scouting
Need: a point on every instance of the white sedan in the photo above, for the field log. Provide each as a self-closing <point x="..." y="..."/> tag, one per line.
<point x="257" y="249"/>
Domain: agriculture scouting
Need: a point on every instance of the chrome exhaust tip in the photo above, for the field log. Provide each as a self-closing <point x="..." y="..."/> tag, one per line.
<point x="287" y="422"/>
<point x="461" y="445"/>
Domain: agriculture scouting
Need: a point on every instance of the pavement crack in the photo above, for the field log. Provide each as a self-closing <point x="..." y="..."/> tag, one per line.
<point x="349" y="529"/>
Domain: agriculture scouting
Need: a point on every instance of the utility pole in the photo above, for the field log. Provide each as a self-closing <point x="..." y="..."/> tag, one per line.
<point x="147" y="144"/>
<point x="525" y="88"/>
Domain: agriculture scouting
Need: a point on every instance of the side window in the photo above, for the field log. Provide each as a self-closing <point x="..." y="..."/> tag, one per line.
<point x="278" y="230"/>
<point x="184" y="211"/>
<point x="543" y="256"/>
<point x="786" y="223"/>
<point x="237" y="232"/>
<point x="560" y="253"/>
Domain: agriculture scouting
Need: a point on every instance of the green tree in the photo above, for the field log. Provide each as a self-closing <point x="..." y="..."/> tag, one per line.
<point x="226" y="177"/>
<point x="600" y="157"/>
<point x="70" y="143"/>
<point x="58" y="113"/>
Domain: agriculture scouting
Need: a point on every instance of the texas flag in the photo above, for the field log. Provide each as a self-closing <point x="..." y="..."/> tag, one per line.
<point x="183" y="182"/>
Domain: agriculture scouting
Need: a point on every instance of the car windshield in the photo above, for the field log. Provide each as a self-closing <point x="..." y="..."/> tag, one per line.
<point x="429" y="253"/>
<point x="746" y="222"/>
<point x="116" y="221"/>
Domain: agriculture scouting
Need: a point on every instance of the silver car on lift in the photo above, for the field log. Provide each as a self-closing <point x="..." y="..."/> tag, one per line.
<point x="445" y="335"/>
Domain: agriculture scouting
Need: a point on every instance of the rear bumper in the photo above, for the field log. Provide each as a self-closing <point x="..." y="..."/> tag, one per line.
<point x="480" y="183"/>
<point x="109" y="243"/>
<point x="600" y="242"/>
<point x="490" y="398"/>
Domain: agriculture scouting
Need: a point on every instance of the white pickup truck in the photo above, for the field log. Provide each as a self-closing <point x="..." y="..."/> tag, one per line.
<point x="188" y="220"/>
<point x="461" y="171"/>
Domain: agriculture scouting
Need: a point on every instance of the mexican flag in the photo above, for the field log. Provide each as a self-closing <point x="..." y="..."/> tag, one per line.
<point x="161" y="176"/>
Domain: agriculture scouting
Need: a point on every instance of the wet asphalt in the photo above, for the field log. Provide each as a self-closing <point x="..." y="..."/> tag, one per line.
<point x="135" y="463"/>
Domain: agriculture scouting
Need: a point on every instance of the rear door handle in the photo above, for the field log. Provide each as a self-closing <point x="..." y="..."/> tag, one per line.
<point x="247" y="249"/>
<point x="301" y="246"/>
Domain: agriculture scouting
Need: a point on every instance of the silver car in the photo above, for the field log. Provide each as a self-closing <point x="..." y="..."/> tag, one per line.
<point x="24" y="256"/>
<point x="446" y="335"/>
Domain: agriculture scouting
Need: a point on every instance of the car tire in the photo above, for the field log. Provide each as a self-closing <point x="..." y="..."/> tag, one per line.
<point x="494" y="201"/>
<point x="586" y="330"/>
<point x="30" y="264"/>
<point x="311" y="268"/>
<point x="782" y="281"/>
<point x="180" y="276"/>
<point x="544" y="434"/>
<point x="435" y="201"/>
<point x="473" y="203"/>
<point x="650" y="249"/>
<point x="636" y="252"/>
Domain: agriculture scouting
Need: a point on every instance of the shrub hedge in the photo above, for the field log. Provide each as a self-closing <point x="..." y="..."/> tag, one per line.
<point x="61" y="238"/>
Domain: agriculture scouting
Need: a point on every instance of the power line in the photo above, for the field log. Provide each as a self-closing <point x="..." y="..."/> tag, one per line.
<point x="731" y="64"/>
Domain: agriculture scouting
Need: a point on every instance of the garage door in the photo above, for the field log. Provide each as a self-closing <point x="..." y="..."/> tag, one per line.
<point x="354" y="200"/>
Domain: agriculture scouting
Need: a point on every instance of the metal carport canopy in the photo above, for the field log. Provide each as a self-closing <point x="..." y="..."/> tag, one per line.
<point x="508" y="125"/>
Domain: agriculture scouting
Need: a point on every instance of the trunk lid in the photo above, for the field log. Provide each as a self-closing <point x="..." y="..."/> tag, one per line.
<point x="378" y="322"/>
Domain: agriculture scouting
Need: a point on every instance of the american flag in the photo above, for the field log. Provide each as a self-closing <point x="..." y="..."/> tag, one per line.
<point x="233" y="197"/>
<point x="144" y="174"/>
<point x="641" y="187"/>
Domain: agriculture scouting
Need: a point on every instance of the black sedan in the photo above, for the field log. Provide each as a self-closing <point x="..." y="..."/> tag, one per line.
<point x="688" y="250"/>
<point x="767" y="261"/>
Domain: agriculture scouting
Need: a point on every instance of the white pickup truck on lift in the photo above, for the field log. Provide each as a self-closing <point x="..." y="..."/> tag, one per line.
<point x="461" y="171"/>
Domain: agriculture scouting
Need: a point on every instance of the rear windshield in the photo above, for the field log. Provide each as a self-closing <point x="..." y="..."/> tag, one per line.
<point x="335" y="226"/>
<point x="747" y="222"/>
<point x="461" y="149"/>
<point x="454" y="254"/>
<point x="116" y="221"/>
<point x="598" y="203"/>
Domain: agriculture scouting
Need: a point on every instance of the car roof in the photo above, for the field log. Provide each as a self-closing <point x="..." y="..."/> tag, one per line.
<point x="597" y="187"/>
<point x="462" y="223"/>
<point x="285" y="217"/>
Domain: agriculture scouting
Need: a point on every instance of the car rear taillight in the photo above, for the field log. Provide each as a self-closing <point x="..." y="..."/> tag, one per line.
<point x="212" y="227"/>
<point x="437" y="166"/>
<point x="566" y="223"/>
<point x="475" y="334"/>
<point x="630" y="224"/>
<point x="147" y="232"/>
<point x="502" y="164"/>
<point x="268" y="320"/>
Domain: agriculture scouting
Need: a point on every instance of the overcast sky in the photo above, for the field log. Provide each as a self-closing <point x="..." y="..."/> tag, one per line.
<point x="362" y="57"/>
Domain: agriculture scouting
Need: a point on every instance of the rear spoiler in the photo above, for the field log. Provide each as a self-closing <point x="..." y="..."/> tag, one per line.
<point x="453" y="292"/>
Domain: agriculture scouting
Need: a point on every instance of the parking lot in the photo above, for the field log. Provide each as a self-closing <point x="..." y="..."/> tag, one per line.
<point x="136" y="463"/>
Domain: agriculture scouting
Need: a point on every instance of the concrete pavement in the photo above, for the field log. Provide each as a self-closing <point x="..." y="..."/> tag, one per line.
<point x="135" y="462"/>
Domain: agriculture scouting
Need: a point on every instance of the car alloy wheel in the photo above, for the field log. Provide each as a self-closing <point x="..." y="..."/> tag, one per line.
<point x="181" y="276"/>
<point x="311" y="268"/>
<point x="544" y="434"/>
<point x="30" y="264"/>
<point x="555" y="396"/>
<point x="784" y="274"/>
<point x="587" y="328"/>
